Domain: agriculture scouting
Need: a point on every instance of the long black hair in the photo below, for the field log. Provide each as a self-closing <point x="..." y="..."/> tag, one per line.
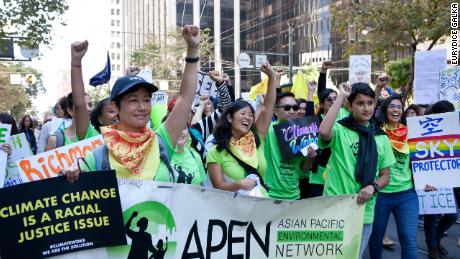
<point x="96" y="112"/>
<point x="223" y="129"/>
<point x="382" y="116"/>
<point x="323" y="95"/>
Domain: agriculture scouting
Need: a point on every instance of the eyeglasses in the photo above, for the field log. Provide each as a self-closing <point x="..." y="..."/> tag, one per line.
<point x="331" y="99"/>
<point x="394" y="106"/>
<point x="288" y="107"/>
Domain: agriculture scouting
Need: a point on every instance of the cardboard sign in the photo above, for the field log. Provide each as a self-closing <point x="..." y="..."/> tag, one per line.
<point x="48" y="164"/>
<point x="294" y="135"/>
<point x="206" y="86"/>
<point x="449" y="84"/>
<point x="434" y="142"/>
<point x="59" y="124"/>
<point x="20" y="150"/>
<point x="441" y="201"/>
<point x="360" y="69"/>
<point x="5" y="130"/>
<point x="428" y="64"/>
<point x="52" y="217"/>
<point x="185" y="221"/>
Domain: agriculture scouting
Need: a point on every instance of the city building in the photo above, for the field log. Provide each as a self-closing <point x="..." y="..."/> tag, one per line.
<point x="115" y="50"/>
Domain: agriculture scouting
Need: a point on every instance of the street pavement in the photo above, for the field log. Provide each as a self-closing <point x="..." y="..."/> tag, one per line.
<point x="449" y="242"/>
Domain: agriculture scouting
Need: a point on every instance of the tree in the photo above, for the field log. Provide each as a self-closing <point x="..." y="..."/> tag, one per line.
<point x="18" y="98"/>
<point x="32" y="20"/>
<point x="167" y="61"/>
<point x="399" y="72"/>
<point x="392" y="25"/>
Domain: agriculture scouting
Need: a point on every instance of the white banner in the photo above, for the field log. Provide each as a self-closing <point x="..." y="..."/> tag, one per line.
<point x="441" y="201"/>
<point x="426" y="75"/>
<point x="449" y="84"/>
<point x="47" y="164"/>
<point x="5" y="131"/>
<point x="20" y="150"/>
<point x="186" y="221"/>
<point x="360" y="69"/>
<point x="206" y="86"/>
<point x="434" y="142"/>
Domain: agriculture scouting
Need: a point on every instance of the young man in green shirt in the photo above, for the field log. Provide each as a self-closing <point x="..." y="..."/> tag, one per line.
<point x="282" y="177"/>
<point x="361" y="151"/>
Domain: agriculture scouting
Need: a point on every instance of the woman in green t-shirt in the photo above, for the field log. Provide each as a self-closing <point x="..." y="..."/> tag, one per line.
<point x="236" y="162"/>
<point x="133" y="149"/>
<point x="399" y="196"/>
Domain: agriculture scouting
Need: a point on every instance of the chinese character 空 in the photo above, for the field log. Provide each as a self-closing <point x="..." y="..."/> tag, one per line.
<point x="430" y="125"/>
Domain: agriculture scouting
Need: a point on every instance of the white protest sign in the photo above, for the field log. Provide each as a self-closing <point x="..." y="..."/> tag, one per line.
<point x="441" y="201"/>
<point x="59" y="124"/>
<point x="159" y="98"/>
<point x="5" y="131"/>
<point x="189" y="221"/>
<point x="20" y="150"/>
<point x="428" y="64"/>
<point x="260" y="60"/>
<point x="449" y="83"/>
<point x="47" y="164"/>
<point x="434" y="142"/>
<point x="146" y="75"/>
<point x="360" y="69"/>
<point x="206" y="86"/>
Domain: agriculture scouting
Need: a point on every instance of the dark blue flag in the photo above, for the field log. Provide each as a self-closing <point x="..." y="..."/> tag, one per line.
<point x="103" y="76"/>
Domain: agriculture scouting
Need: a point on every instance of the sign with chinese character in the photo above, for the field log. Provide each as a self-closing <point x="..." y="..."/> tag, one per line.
<point x="5" y="130"/>
<point x="294" y="135"/>
<point x="360" y="69"/>
<point x="53" y="216"/>
<point x="434" y="142"/>
<point x="441" y="201"/>
<point x="20" y="149"/>
<point x="449" y="83"/>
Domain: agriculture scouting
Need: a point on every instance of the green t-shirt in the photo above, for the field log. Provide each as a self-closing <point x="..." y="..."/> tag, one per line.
<point x="282" y="177"/>
<point x="317" y="178"/>
<point x="340" y="178"/>
<point x="162" y="174"/>
<point x="231" y="168"/>
<point x="400" y="174"/>
<point x="188" y="166"/>
<point x="90" y="132"/>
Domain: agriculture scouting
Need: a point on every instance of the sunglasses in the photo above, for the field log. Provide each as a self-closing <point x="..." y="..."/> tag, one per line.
<point x="289" y="107"/>
<point x="331" y="99"/>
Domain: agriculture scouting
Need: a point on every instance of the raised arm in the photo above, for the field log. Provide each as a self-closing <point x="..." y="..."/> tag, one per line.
<point x="322" y="75"/>
<point x="325" y="129"/>
<point x="265" y="117"/>
<point x="222" y="90"/>
<point x="81" y="117"/>
<point x="382" y="82"/>
<point x="180" y="114"/>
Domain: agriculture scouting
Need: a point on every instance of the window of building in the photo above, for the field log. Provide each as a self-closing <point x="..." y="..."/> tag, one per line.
<point x="118" y="22"/>
<point x="112" y="22"/>
<point x="118" y="56"/>
<point x="113" y="55"/>
<point x="112" y="11"/>
<point x="118" y="67"/>
<point x="112" y="44"/>
<point x="112" y="34"/>
<point x="113" y="67"/>
<point x="118" y="44"/>
<point x="118" y="34"/>
<point x="118" y="11"/>
<point x="118" y="1"/>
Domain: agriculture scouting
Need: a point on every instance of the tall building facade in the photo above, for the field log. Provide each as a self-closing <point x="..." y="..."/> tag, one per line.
<point x="116" y="36"/>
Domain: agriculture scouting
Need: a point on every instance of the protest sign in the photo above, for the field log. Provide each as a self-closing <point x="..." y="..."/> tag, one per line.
<point x="360" y="69"/>
<point x="51" y="217"/>
<point x="20" y="150"/>
<point x="159" y="109"/>
<point x="48" y="164"/>
<point x="449" y="80"/>
<point x="146" y="75"/>
<point x="59" y="124"/>
<point x="428" y="64"/>
<point x="434" y="142"/>
<point x="186" y="221"/>
<point x="206" y="86"/>
<point x="5" y="130"/>
<point x="296" y="134"/>
<point x="441" y="201"/>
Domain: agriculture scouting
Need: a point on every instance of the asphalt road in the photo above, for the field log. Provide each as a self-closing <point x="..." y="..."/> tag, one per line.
<point x="449" y="242"/>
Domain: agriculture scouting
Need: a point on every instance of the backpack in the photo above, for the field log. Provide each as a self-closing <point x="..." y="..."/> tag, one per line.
<point x="101" y="157"/>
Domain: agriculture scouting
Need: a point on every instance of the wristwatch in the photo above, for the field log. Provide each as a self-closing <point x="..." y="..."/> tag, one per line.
<point x="376" y="187"/>
<point x="192" y="60"/>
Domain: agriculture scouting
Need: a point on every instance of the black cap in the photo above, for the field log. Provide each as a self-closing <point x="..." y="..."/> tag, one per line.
<point x="123" y="84"/>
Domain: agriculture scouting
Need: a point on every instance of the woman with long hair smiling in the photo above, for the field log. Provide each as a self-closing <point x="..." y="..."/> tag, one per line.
<point x="237" y="162"/>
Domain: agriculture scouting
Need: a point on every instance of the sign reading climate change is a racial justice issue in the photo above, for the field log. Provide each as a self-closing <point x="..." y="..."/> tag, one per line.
<point x="434" y="142"/>
<point x="296" y="134"/>
<point x="53" y="216"/>
<point x="185" y="221"/>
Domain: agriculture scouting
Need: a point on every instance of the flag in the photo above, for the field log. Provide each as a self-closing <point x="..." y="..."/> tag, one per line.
<point x="260" y="88"/>
<point x="103" y="76"/>
<point x="299" y="89"/>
